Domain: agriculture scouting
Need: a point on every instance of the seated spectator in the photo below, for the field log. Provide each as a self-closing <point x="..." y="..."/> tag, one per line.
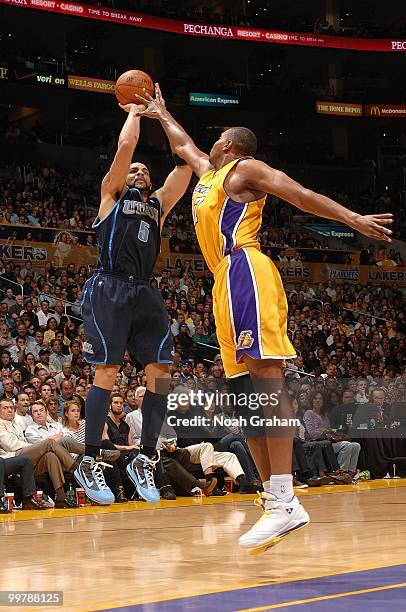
<point x="47" y="456"/>
<point x="72" y="423"/>
<point x="41" y="428"/>
<point x="43" y="314"/>
<point x="374" y="414"/>
<point x="52" y="406"/>
<point x="23" y="466"/>
<point x="318" y="426"/>
<point x="57" y="358"/>
<point x="341" y="416"/>
<point x="66" y="374"/>
<point x="22" y="408"/>
<point x="51" y="328"/>
<point x="6" y="341"/>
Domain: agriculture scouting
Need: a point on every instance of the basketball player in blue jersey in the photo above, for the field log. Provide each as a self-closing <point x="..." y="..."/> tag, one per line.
<point x="122" y="311"/>
<point x="249" y="302"/>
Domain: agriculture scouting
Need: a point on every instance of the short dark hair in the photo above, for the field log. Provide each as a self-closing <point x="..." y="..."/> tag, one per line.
<point x="244" y="140"/>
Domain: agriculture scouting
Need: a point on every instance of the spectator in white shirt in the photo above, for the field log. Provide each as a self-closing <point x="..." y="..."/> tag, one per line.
<point x="52" y="406"/>
<point x="58" y="310"/>
<point x="38" y="344"/>
<point x="57" y="358"/>
<point x="134" y="418"/>
<point x="40" y="429"/>
<point x="43" y="314"/>
<point x="22" y="406"/>
<point x="66" y="374"/>
<point x="19" y="352"/>
<point x="9" y="298"/>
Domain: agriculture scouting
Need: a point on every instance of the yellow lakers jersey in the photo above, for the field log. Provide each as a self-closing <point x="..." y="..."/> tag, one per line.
<point x="223" y="225"/>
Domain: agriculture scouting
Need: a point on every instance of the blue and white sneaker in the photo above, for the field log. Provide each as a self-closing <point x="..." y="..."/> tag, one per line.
<point x="141" y="472"/>
<point x="89" y="474"/>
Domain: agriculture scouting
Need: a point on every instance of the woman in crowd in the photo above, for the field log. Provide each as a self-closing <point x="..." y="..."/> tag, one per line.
<point x="318" y="427"/>
<point x="74" y="426"/>
<point x="52" y="326"/>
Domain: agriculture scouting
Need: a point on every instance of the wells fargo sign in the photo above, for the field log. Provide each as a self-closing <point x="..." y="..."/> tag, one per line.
<point x="91" y="84"/>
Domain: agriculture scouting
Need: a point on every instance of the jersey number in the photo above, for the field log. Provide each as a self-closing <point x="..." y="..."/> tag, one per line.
<point x="143" y="232"/>
<point x="196" y="203"/>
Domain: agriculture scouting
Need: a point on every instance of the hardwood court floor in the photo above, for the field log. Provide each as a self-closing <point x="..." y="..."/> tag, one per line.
<point x="130" y="554"/>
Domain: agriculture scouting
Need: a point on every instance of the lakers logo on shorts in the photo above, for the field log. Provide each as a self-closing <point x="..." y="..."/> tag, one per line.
<point x="245" y="339"/>
<point x="88" y="348"/>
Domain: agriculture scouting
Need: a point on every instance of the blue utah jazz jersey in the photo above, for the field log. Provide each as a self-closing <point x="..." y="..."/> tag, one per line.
<point x="129" y="237"/>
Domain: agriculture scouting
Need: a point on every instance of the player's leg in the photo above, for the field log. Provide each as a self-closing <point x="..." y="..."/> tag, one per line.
<point x="283" y="512"/>
<point x="151" y="344"/>
<point x="154" y="407"/>
<point x="106" y="323"/>
<point x="89" y="472"/>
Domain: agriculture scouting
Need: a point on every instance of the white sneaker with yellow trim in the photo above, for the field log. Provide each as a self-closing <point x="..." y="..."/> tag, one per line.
<point x="279" y="520"/>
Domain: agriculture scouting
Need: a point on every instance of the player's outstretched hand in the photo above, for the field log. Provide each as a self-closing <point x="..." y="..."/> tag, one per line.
<point x="155" y="107"/>
<point x="373" y="226"/>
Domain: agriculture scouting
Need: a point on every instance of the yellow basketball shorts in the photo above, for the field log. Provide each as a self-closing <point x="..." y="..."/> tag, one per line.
<point x="250" y="309"/>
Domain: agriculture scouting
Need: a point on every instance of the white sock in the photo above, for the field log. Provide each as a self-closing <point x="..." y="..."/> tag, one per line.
<point x="266" y="485"/>
<point x="282" y="486"/>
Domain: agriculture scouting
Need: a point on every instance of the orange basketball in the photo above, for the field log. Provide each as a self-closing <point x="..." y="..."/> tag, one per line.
<point x="131" y="84"/>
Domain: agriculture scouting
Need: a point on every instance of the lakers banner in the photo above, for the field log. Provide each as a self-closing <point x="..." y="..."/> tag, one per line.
<point x="345" y="109"/>
<point x="386" y="110"/>
<point x="177" y="26"/>
<point x="60" y="254"/>
<point x="310" y="272"/>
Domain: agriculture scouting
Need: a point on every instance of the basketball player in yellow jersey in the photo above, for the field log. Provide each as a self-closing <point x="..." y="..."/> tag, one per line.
<point x="250" y="305"/>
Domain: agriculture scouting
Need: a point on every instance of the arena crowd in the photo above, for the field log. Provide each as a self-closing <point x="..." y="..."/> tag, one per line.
<point x="349" y="378"/>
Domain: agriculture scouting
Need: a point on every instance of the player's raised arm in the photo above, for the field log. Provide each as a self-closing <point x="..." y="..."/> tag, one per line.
<point x="260" y="177"/>
<point x="181" y="143"/>
<point x="174" y="188"/>
<point x="115" y="178"/>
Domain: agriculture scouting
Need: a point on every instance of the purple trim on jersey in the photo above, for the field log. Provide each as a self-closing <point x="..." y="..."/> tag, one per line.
<point x="231" y="215"/>
<point x="243" y="304"/>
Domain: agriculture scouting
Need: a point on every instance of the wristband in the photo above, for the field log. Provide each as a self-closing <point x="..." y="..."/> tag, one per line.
<point x="178" y="160"/>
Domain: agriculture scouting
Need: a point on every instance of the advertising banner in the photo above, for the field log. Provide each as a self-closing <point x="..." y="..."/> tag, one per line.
<point x="346" y="109"/>
<point x="210" y="30"/>
<point x="91" y="84"/>
<point x="333" y="231"/>
<point x="208" y="99"/>
<point x="386" y="110"/>
<point x="60" y="253"/>
<point x="35" y="233"/>
<point x="310" y="272"/>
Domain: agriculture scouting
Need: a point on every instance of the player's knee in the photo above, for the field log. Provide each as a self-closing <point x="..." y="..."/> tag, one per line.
<point x="264" y="368"/>
<point x="105" y="376"/>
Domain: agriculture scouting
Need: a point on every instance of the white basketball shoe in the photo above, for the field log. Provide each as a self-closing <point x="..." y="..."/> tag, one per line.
<point x="279" y="520"/>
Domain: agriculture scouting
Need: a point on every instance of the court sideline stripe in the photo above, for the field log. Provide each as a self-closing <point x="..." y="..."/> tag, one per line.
<point x="242" y="587"/>
<point x="324" y="598"/>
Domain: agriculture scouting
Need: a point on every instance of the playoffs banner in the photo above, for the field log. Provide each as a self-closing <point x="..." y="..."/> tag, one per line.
<point x="211" y="30"/>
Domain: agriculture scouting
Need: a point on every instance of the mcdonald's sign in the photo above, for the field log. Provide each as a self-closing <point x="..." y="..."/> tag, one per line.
<point x="385" y="110"/>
